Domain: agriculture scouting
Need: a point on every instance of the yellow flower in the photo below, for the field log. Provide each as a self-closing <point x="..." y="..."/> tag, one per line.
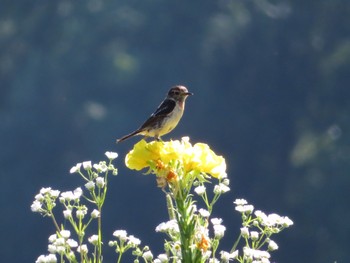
<point x="209" y="162"/>
<point x="143" y="152"/>
<point x="198" y="158"/>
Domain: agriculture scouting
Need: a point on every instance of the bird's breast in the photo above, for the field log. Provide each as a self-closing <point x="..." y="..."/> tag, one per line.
<point x="171" y="120"/>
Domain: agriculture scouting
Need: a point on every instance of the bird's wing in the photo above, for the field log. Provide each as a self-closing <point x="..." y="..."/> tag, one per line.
<point x="166" y="107"/>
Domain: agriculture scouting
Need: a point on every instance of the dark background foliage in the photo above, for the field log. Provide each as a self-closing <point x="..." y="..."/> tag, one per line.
<point x="271" y="83"/>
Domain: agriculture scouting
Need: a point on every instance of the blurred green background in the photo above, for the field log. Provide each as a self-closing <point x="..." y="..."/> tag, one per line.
<point x="271" y="82"/>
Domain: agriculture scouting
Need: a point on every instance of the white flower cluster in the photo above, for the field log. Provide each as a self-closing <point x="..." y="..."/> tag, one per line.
<point x="219" y="229"/>
<point x="101" y="167"/>
<point x="257" y="225"/>
<point x="170" y="227"/>
<point x="61" y="244"/>
<point x="51" y="258"/>
<point x="123" y="237"/>
<point x="45" y="200"/>
<point x="222" y="187"/>
<point x="226" y="256"/>
<point x="273" y="220"/>
<point x="255" y="255"/>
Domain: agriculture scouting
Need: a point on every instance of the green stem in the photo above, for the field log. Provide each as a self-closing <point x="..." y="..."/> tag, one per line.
<point x="236" y="244"/>
<point x="186" y="225"/>
<point x="55" y="222"/>
<point x="99" y="222"/>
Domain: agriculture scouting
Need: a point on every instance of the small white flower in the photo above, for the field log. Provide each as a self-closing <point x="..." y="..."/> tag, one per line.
<point x="112" y="243"/>
<point x="81" y="213"/>
<point x="148" y="256"/>
<point x="286" y="222"/>
<point x="100" y="182"/>
<point x="170" y="226"/>
<point x="240" y="202"/>
<point x="261" y="216"/>
<point x="51" y="258"/>
<point x="45" y="190"/>
<point x="245" y="209"/>
<point x="226" y="181"/>
<point x="273" y="220"/>
<point x="87" y="165"/>
<point x="75" y="168"/>
<point x="255" y="253"/>
<point x="226" y="256"/>
<point x="54" y="193"/>
<point x="219" y="231"/>
<point x="72" y="243"/>
<point x="264" y="260"/>
<point x="83" y="249"/>
<point x="163" y="258"/>
<point x="36" y="206"/>
<point x="77" y="193"/>
<point x="93" y="239"/>
<point x="41" y="259"/>
<point x="216" y="221"/>
<point x="67" y="213"/>
<point x="111" y="155"/>
<point x="65" y="233"/>
<point x="67" y="196"/>
<point x="200" y="190"/>
<point x="90" y="185"/>
<point x="221" y="188"/>
<point x="95" y="213"/>
<point x="52" y="249"/>
<point x="272" y="245"/>
<point x="133" y="241"/>
<point x="52" y="238"/>
<point x="60" y="249"/>
<point x="101" y="167"/>
<point x="60" y="241"/>
<point x="254" y="235"/>
<point x="204" y="213"/>
<point x="245" y="232"/>
<point x="39" y="197"/>
<point x="121" y="234"/>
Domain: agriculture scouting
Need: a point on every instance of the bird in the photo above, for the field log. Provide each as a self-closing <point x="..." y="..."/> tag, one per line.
<point x="166" y="116"/>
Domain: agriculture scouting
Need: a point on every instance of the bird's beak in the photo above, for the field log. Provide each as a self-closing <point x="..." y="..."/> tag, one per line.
<point x="189" y="93"/>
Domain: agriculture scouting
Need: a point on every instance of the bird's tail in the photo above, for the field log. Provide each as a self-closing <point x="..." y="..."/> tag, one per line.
<point x="128" y="136"/>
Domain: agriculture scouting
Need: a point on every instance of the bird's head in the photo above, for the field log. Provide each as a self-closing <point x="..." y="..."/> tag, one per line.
<point x="179" y="93"/>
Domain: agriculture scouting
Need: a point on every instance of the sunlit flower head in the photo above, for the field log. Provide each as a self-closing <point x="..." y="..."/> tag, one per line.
<point x="272" y="245"/>
<point x="65" y="233"/>
<point x="226" y="256"/>
<point x="219" y="231"/>
<point x="198" y="157"/>
<point x="83" y="249"/>
<point x="240" y="202"/>
<point x="87" y="165"/>
<point x="75" y="168"/>
<point x="93" y="239"/>
<point x="133" y="241"/>
<point x="200" y="190"/>
<point x="51" y="258"/>
<point x="121" y="234"/>
<point x="111" y="155"/>
<point x="148" y="256"/>
<point x="95" y="213"/>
